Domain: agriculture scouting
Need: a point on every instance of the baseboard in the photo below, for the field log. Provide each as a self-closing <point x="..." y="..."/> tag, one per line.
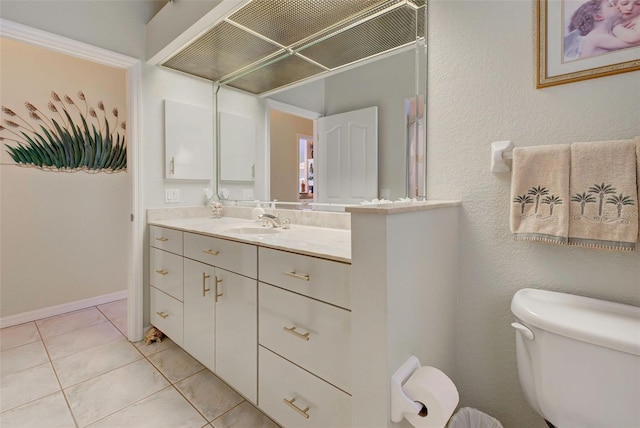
<point x="52" y="311"/>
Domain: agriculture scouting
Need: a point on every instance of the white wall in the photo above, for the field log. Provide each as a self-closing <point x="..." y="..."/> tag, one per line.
<point x="481" y="89"/>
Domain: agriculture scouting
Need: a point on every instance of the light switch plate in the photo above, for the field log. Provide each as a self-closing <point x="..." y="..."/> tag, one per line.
<point x="171" y="196"/>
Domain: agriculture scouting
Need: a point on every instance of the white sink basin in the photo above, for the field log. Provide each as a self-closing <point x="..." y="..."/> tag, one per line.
<point x="248" y="230"/>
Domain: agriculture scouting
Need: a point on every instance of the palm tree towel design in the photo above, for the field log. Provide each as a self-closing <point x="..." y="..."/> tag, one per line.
<point x="604" y="195"/>
<point x="540" y="193"/>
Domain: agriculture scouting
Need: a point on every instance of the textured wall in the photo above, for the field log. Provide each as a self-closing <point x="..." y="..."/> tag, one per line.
<point x="481" y="89"/>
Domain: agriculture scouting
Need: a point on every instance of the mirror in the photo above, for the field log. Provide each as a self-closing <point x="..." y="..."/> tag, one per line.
<point x="394" y="82"/>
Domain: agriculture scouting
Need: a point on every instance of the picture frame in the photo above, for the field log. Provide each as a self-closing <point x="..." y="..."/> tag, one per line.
<point x="556" y="64"/>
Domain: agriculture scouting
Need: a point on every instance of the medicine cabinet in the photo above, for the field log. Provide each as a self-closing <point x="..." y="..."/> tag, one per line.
<point x="188" y="141"/>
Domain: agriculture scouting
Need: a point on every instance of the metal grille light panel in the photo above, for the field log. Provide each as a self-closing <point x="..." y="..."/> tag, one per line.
<point x="289" y="21"/>
<point x="276" y="75"/>
<point x="381" y="34"/>
<point x="327" y="27"/>
<point x="221" y="51"/>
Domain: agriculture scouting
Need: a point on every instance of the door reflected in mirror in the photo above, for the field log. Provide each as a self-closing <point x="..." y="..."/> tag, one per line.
<point x="290" y="140"/>
<point x="337" y="166"/>
<point x="305" y="167"/>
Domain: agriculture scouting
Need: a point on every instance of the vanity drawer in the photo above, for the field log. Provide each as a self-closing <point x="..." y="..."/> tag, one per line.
<point x="230" y="255"/>
<point x="312" y="334"/>
<point x="321" y="279"/>
<point x="166" y="272"/>
<point x="166" y="314"/>
<point x="166" y="239"/>
<point x="318" y="403"/>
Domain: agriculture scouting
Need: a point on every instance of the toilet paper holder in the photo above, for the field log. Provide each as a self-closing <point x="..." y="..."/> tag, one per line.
<point x="401" y="404"/>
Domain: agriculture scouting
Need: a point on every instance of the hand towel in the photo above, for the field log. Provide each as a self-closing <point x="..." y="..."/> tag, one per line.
<point x="604" y="195"/>
<point x="540" y="193"/>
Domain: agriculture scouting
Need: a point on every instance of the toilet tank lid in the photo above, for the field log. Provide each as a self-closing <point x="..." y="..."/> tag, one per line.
<point x="600" y="322"/>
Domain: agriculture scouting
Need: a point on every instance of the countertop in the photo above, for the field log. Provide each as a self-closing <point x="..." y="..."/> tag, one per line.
<point x="326" y="243"/>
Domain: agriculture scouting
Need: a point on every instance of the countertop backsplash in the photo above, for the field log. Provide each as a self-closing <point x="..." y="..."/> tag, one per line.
<point x="333" y="220"/>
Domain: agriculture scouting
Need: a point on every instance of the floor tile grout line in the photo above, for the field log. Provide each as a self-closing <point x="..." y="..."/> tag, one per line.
<point x="173" y="385"/>
<point x="55" y="373"/>
<point x="98" y="375"/>
<point x="127" y="406"/>
<point x="68" y="314"/>
<point x="22" y="344"/>
<point x="143" y="357"/>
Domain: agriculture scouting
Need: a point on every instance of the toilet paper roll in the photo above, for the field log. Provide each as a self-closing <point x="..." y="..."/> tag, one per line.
<point x="438" y="393"/>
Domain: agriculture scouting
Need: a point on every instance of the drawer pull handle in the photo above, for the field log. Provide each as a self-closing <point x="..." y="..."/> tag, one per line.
<point x="162" y="239"/>
<point x="304" y="277"/>
<point x="162" y="271"/>
<point x="204" y="285"/>
<point x="218" y="295"/>
<point x="293" y="331"/>
<point x="211" y="252"/>
<point x="162" y="315"/>
<point x="296" y="408"/>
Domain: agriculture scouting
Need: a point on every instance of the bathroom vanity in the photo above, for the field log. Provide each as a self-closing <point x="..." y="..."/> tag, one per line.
<point x="308" y="323"/>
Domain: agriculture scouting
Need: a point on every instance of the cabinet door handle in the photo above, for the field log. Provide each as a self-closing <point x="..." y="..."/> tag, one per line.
<point x="162" y="239"/>
<point x="218" y="295"/>
<point x="204" y="285"/>
<point x="162" y="315"/>
<point x="172" y="166"/>
<point x="302" y="412"/>
<point x="302" y="276"/>
<point x="211" y="252"/>
<point x="162" y="272"/>
<point x="297" y="334"/>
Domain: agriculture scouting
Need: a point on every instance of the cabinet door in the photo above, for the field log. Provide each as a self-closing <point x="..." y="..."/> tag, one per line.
<point x="237" y="147"/>
<point x="237" y="332"/>
<point x="199" y="320"/>
<point x="188" y="141"/>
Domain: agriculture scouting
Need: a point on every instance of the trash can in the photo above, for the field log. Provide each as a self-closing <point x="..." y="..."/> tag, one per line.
<point x="467" y="417"/>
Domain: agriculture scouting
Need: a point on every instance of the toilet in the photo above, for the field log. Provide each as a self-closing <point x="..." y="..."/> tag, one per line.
<point x="578" y="359"/>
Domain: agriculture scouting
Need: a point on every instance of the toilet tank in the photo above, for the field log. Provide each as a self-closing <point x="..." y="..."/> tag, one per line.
<point x="578" y="359"/>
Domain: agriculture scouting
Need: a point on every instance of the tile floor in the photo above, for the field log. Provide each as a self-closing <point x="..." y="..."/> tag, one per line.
<point x="79" y="370"/>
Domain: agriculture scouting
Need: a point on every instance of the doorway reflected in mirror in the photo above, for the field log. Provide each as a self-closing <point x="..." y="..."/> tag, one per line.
<point x="305" y="167"/>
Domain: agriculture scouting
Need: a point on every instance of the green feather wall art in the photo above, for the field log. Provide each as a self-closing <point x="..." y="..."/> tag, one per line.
<point x="73" y="137"/>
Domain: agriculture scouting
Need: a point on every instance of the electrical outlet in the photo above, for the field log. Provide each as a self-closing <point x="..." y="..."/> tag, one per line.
<point x="247" y="194"/>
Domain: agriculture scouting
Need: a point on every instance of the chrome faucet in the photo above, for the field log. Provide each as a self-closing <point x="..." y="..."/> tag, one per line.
<point x="274" y="220"/>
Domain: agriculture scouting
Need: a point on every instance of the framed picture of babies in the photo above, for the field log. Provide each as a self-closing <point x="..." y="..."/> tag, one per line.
<point x="584" y="39"/>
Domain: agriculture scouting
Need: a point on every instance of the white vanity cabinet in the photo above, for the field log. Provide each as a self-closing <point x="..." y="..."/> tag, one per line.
<point x="166" y="279"/>
<point x="305" y="339"/>
<point x="221" y="315"/>
<point x="237" y="332"/>
<point x="275" y="325"/>
<point x="199" y="312"/>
